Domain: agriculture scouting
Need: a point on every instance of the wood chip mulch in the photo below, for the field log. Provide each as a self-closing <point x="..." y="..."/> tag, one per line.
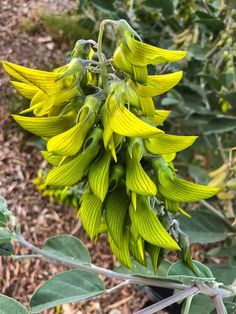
<point x="19" y="161"/>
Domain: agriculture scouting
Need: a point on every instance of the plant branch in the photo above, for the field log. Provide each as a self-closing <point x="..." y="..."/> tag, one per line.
<point x="216" y="212"/>
<point x="168" y="301"/>
<point x="120" y="285"/>
<point x="140" y="280"/>
<point x="219" y="304"/>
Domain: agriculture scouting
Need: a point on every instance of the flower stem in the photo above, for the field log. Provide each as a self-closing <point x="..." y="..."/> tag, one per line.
<point x="102" y="62"/>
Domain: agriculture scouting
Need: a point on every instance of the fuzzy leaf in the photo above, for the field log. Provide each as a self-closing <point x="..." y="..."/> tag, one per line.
<point x="10" y="306"/>
<point x="70" y="286"/>
<point x="67" y="248"/>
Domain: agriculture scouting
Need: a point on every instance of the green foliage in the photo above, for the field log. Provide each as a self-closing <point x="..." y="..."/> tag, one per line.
<point x="70" y="286"/>
<point x="67" y="248"/>
<point x="9" y="305"/>
<point x="204" y="227"/>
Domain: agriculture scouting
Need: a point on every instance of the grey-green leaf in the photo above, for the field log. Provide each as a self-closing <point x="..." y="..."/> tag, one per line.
<point x="11" y="306"/>
<point x="68" y="248"/>
<point x="70" y="286"/>
<point x="224" y="273"/>
<point x="179" y="270"/>
<point x="203" y="227"/>
<point x="5" y="236"/>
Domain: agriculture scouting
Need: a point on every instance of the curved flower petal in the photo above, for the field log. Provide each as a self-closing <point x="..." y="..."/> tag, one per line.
<point x="46" y="81"/>
<point x="149" y="226"/>
<point x="98" y="176"/>
<point x="179" y="190"/>
<point x="126" y="123"/>
<point x="46" y="126"/>
<point x="90" y="213"/>
<point x="144" y="54"/>
<point x="116" y="211"/>
<point x="26" y="90"/>
<point x="72" y="171"/>
<point x="167" y="143"/>
<point x="137" y="180"/>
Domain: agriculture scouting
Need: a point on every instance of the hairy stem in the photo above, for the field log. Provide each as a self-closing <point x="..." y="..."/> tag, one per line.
<point x="219" y="304"/>
<point x="190" y="291"/>
<point x="102" y="62"/>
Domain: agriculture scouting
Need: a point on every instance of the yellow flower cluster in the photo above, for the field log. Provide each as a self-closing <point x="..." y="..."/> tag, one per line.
<point x="112" y="142"/>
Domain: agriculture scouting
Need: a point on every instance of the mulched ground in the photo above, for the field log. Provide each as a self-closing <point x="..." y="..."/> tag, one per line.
<point x="19" y="161"/>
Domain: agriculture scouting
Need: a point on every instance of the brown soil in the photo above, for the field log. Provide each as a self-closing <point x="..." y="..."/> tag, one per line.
<point x="19" y="161"/>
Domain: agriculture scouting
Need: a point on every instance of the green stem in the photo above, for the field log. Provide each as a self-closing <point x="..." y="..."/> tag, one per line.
<point x="99" y="270"/>
<point x="102" y="62"/>
<point x="187" y="305"/>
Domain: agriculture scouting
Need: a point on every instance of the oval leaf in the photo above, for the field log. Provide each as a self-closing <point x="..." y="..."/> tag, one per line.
<point x="203" y="227"/>
<point x="70" y="286"/>
<point x="67" y="248"/>
<point x="9" y="305"/>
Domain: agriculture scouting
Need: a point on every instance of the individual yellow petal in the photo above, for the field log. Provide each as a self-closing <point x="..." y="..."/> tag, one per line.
<point x="137" y="180"/>
<point x="54" y="160"/>
<point x="159" y="117"/>
<point x="46" y="126"/>
<point x="98" y="176"/>
<point x="107" y="133"/>
<point x="70" y="142"/>
<point x="156" y="84"/>
<point x="46" y="81"/>
<point x="147" y="106"/>
<point x="179" y="190"/>
<point x="26" y="90"/>
<point x="168" y="143"/>
<point x="116" y="211"/>
<point x="90" y="213"/>
<point x="149" y="226"/>
<point x="122" y="252"/>
<point x="73" y="171"/>
<point x="126" y="123"/>
<point x="143" y="54"/>
<point x="139" y="73"/>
